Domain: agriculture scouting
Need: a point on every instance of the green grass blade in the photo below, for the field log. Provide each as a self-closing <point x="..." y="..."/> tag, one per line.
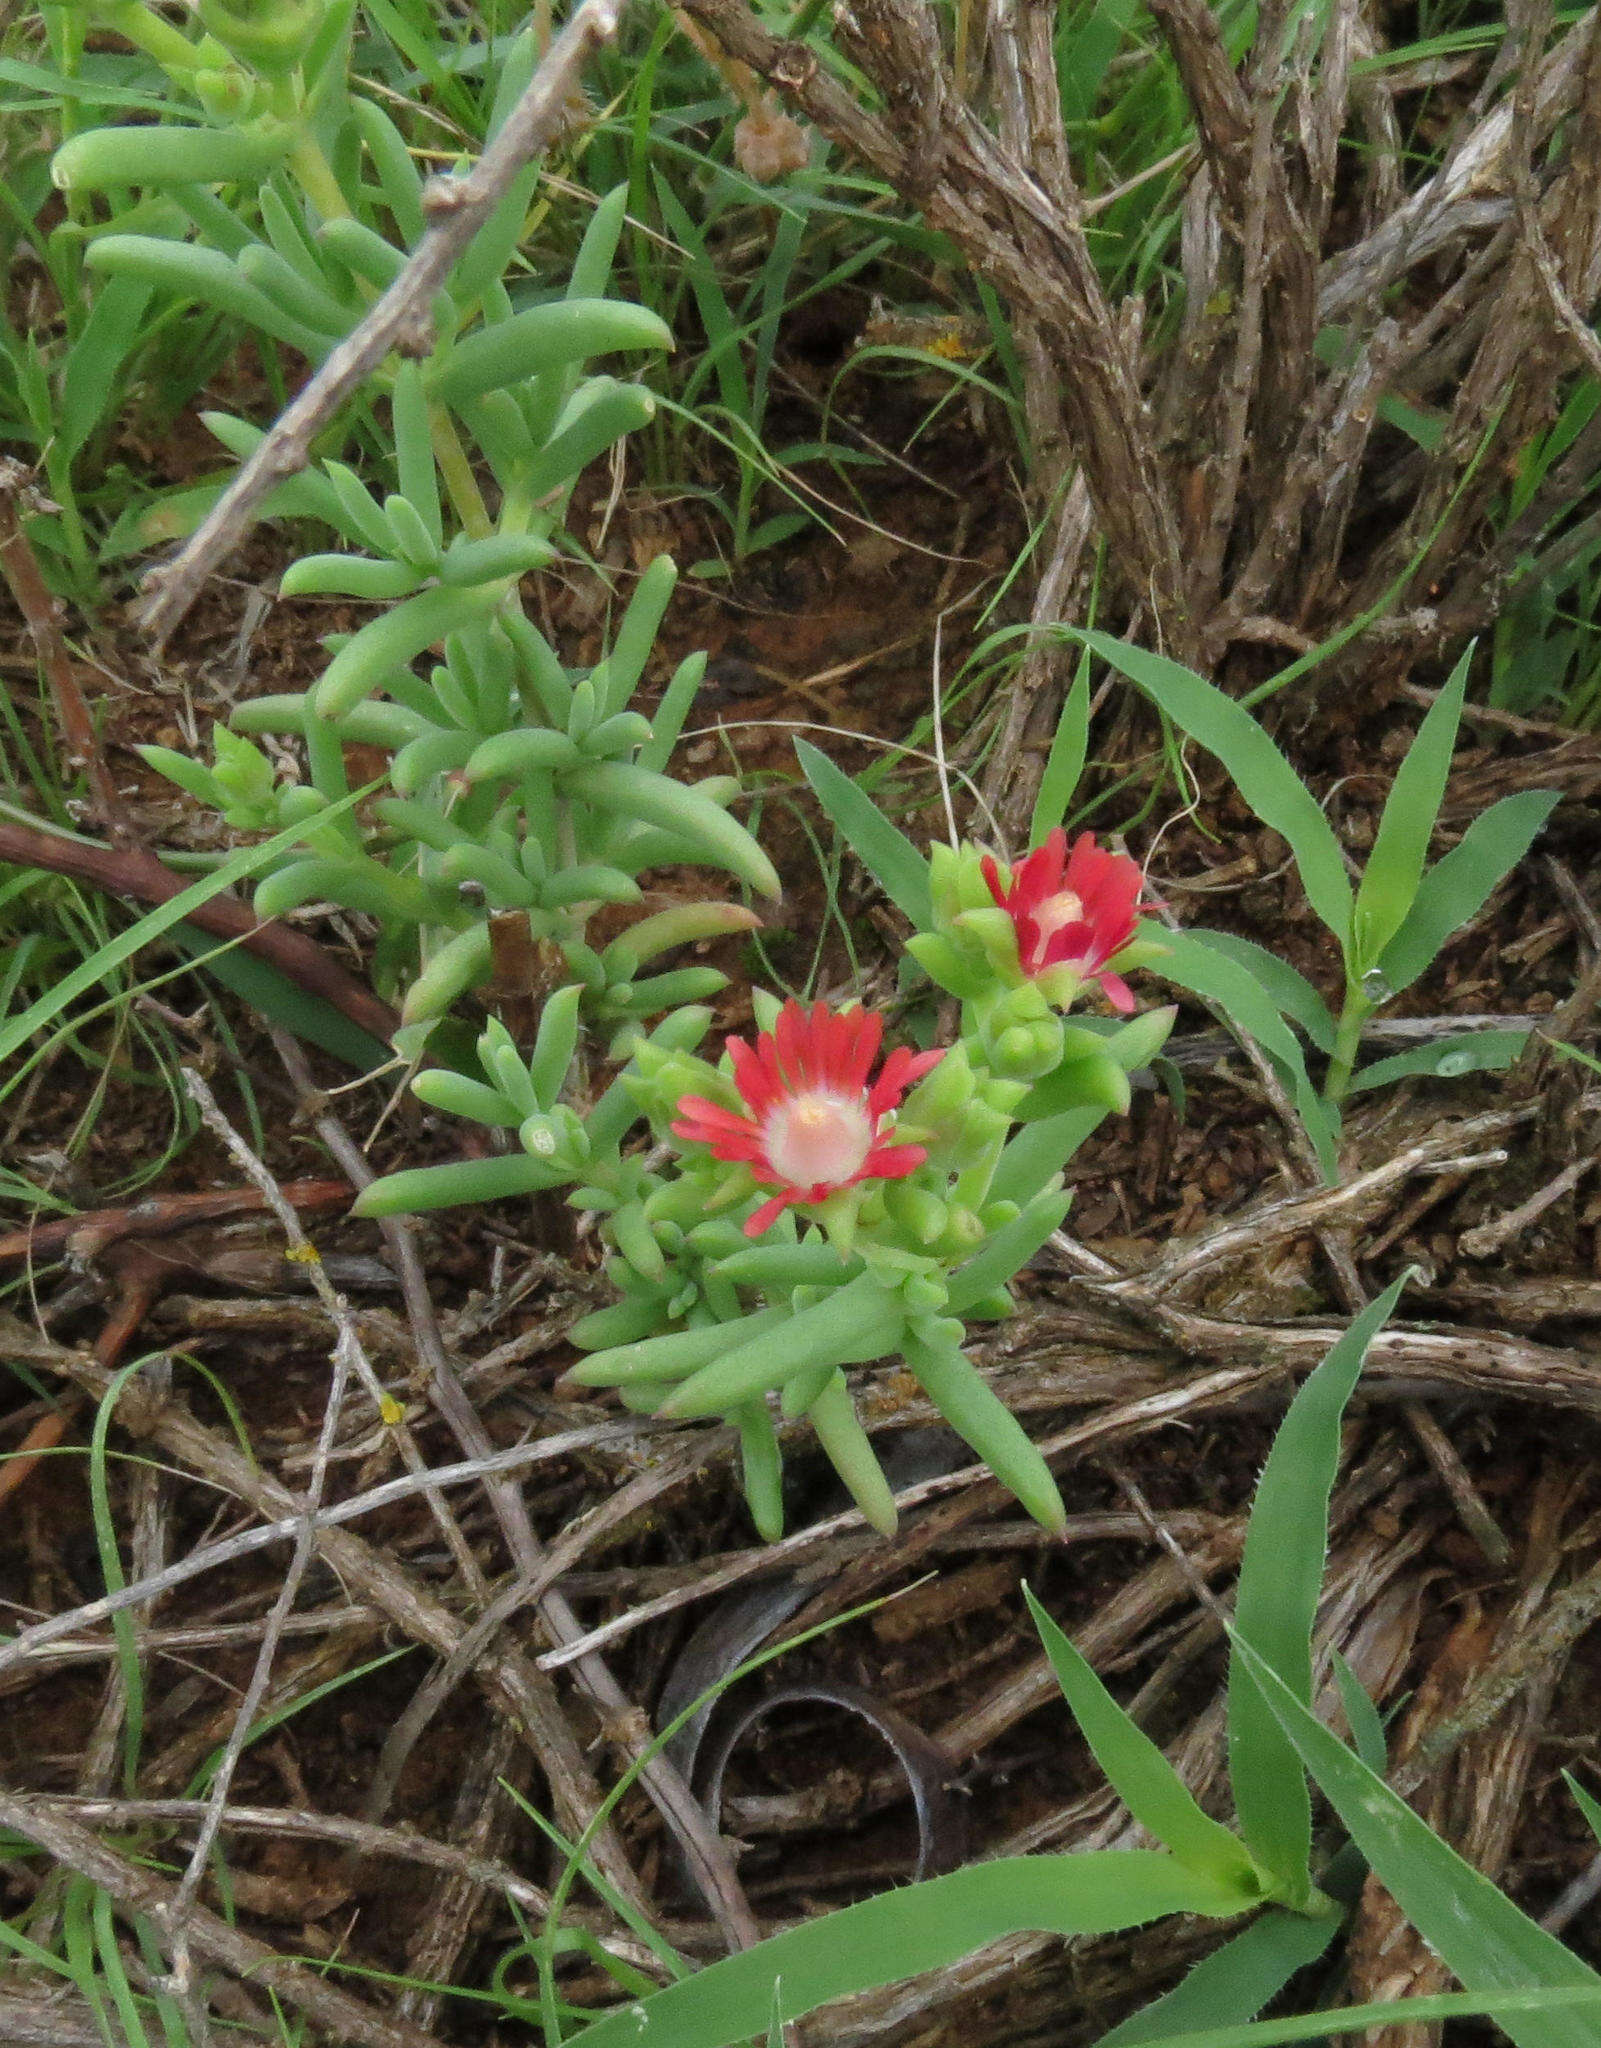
<point x="1463" y="1052"/>
<point x="1395" y="865"/>
<point x="1233" y="1983"/>
<point x="1039" y="1150"/>
<point x="1356" y="2019"/>
<point x="1590" y="1808"/>
<point x="903" y="1933"/>
<point x="271" y="994"/>
<point x="1190" y="963"/>
<point x="1362" y="1717"/>
<point x="1066" y="761"/>
<point x="1474" y="1928"/>
<point x="248" y="861"/>
<point x="1260" y="772"/>
<point x="1285" y="986"/>
<point x="1458" y="886"/>
<point x="886" y="853"/>
<point x="1281" y="1575"/>
<point x="1140" y="1774"/>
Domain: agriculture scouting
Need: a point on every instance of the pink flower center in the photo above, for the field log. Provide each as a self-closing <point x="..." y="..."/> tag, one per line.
<point x="1064" y="908"/>
<point x="818" y="1139"/>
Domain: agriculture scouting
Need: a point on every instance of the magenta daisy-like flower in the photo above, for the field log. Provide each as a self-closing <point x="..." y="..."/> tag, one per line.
<point x="1074" y="910"/>
<point x="815" y="1124"/>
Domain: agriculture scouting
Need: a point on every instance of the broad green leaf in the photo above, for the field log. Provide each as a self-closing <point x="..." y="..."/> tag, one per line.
<point x="1473" y="1927"/>
<point x="1284" y="985"/>
<point x="274" y="996"/>
<point x="1233" y="1983"/>
<point x="903" y="1933"/>
<point x="1066" y="761"/>
<point x="1140" y="1774"/>
<point x="887" y="854"/>
<point x="1395" y="865"/>
<point x="1362" y="1716"/>
<point x="1457" y="887"/>
<point x="1281" y="1575"/>
<point x="1203" y="970"/>
<point x="1590" y="1808"/>
<point x="1260" y="772"/>
<point x="1464" y="1052"/>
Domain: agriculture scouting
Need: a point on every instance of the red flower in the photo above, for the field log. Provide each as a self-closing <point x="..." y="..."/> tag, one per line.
<point x="1074" y="910"/>
<point x="815" y="1125"/>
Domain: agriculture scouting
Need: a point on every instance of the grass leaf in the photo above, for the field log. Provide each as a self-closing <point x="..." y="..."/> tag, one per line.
<point x="886" y="853"/>
<point x="1281" y="1575"/>
<point x="1400" y="850"/>
<point x="1260" y="772"/>
<point x="902" y="1933"/>
<point x="1066" y="761"/>
<point x="1473" y="1927"/>
<point x="1190" y="963"/>
<point x="1140" y="1774"/>
<point x="1458" y="886"/>
<point x="1285" y="985"/>
<point x="1235" y="1981"/>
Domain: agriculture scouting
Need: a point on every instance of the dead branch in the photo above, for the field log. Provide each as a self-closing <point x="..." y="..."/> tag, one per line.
<point x="455" y="208"/>
<point x="134" y="872"/>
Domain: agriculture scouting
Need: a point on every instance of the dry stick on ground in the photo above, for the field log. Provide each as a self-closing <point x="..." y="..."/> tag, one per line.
<point x="137" y="1891"/>
<point x="626" y="1726"/>
<point x="517" y="1690"/>
<point x="134" y="872"/>
<point x="348" y="1358"/>
<point x="455" y="209"/>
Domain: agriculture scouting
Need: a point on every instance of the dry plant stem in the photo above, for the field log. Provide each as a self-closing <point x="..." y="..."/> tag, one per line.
<point x="481" y="1823"/>
<point x="135" y="872"/>
<point x="348" y="1358"/>
<point x="455" y="209"/>
<point x="1035" y="253"/>
<point x="626" y="1725"/>
<point x="137" y="1891"/>
<point x="1493" y="1236"/>
<point x="517" y="1690"/>
<point x="20" y="567"/>
<point x="1452" y="203"/>
<point x="285" y="1514"/>
<point x="52" y="2023"/>
<point x="82" y="1238"/>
